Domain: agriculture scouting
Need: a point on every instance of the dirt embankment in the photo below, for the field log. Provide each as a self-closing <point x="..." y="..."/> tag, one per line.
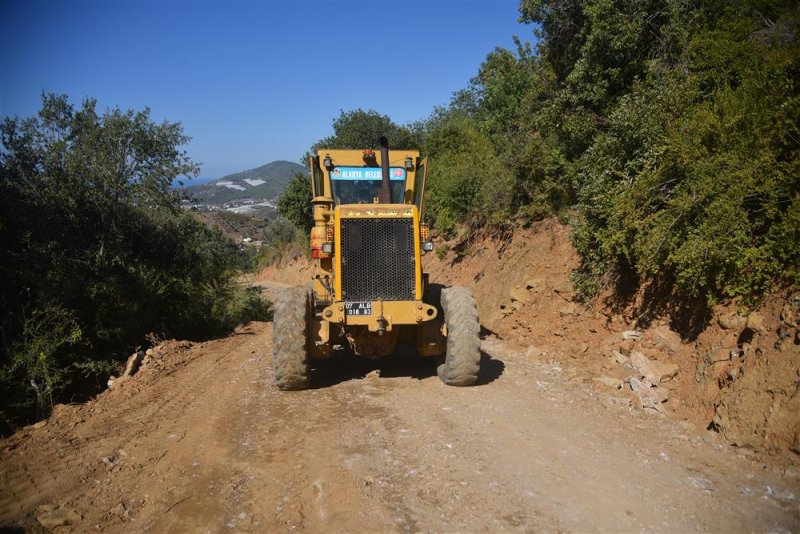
<point x="739" y="376"/>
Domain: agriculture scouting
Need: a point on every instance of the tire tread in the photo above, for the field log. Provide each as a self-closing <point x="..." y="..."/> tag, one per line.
<point x="290" y="339"/>
<point x="463" y="356"/>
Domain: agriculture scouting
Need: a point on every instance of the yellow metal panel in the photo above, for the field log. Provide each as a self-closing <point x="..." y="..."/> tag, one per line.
<point x="417" y="256"/>
<point x="419" y="186"/>
<point x="375" y="211"/>
<point x="337" y="215"/>
<point x="355" y="158"/>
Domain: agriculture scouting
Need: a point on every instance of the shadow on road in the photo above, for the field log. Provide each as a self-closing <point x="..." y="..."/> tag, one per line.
<point x="491" y="369"/>
<point x="403" y="363"/>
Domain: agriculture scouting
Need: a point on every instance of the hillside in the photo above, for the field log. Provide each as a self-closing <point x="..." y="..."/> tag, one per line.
<point x="236" y="226"/>
<point x="251" y="187"/>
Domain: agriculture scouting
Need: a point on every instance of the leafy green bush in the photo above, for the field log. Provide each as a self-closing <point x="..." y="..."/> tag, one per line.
<point x="695" y="178"/>
<point x="667" y="131"/>
<point x="295" y="203"/>
<point x="96" y="245"/>
<point x="359" y="129"/>
<point x="466" y="177"/>
<point x="34" y="355"/>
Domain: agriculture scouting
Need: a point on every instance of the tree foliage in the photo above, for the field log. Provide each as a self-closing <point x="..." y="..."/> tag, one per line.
<point x="667" y="131"/>
<point x="295" y="202"/>
<point x="95" y="242"/>
<point x="693" y="177"/>
<point x="362" y="129"/>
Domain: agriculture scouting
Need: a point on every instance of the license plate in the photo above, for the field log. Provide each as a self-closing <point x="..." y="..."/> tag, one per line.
<point x="358" y="308"/>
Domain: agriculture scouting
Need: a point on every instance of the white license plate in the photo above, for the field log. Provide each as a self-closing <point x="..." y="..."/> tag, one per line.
<point x="358" y="308"/>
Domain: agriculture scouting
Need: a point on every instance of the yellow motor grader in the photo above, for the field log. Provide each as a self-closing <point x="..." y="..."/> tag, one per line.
<point x="369" y="291"/>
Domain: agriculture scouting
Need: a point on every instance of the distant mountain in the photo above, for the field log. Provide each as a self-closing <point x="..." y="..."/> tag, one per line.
<point x="182" y="183"/>
<point x="262" y="184"/>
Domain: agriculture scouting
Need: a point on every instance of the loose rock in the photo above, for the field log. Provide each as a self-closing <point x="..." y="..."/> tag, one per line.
<point x="562" y="287"/>
<point x="618" y="357"/>
<point x="655" y="372"/>
<point x="756" y="323"/>
<point x="570" y="309"/>
<point x="51" y="516"/>
<point x="535" y="284"/>
<point x="627" y="346"/>
<point x="614" y="383"/>
<point x="631" y="334"/>
<point x="665" y="338"/>
<point x="133" y="363"/>
<point x="651" y="397"/>
<point x="732" y="321"/>
<point x="789" y="315"/>
<point x="519" y="295"/>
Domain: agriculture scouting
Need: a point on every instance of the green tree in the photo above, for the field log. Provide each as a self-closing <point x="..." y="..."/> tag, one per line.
<point x="295" y="202"/>
<point x="95" y="240"/>
<point x="362" y="129"/>
<point x="693" y="178"/>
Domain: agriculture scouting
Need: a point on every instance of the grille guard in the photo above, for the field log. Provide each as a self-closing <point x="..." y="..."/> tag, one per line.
<point x="377" y="259"/>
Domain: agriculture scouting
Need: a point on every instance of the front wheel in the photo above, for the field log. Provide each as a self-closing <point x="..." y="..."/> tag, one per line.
<point x="290" y="339"/>
<point x="463" y="356"/>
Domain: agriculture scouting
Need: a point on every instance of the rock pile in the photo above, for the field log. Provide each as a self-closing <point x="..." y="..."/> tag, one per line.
<point x="643" y="377"/>
<point x="136" y="360"/>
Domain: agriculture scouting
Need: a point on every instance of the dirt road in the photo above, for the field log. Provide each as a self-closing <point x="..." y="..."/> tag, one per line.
<point x="201" y="441"/>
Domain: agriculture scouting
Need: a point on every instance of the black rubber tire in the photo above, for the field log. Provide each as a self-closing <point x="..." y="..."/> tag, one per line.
<point x="290" y="339"/>
<point x="463" y="357"/>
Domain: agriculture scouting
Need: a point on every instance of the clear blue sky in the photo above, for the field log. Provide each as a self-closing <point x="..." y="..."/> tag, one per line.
<point x="251" y="82"/>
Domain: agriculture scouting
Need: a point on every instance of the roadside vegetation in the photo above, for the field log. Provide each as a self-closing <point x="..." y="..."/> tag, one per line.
<point x="667" y="132"/>
<point x="98" y="255"/>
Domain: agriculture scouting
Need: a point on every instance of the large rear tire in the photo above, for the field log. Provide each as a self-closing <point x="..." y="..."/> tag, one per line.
<point x="290" y="339"/>
<point x="463" y="356"/>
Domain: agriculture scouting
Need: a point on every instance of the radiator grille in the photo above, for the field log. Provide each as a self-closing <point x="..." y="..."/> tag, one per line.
<point x="377" y="259"/>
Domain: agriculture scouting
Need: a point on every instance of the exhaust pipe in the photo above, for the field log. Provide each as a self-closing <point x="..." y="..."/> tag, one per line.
<point x="386" y="185"/>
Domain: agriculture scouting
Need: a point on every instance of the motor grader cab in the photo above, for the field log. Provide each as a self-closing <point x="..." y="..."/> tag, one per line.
<point x="369" y="291"/>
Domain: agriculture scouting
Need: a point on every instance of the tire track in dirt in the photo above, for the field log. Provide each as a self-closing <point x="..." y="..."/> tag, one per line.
<point x="209" y="444"/>
<point x="136" y="429"/>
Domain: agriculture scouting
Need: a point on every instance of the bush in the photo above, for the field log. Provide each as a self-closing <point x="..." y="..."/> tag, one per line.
<point x="96" y="244"/>
<point x="695" y="179"/>
<point x="466" y="177"/>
